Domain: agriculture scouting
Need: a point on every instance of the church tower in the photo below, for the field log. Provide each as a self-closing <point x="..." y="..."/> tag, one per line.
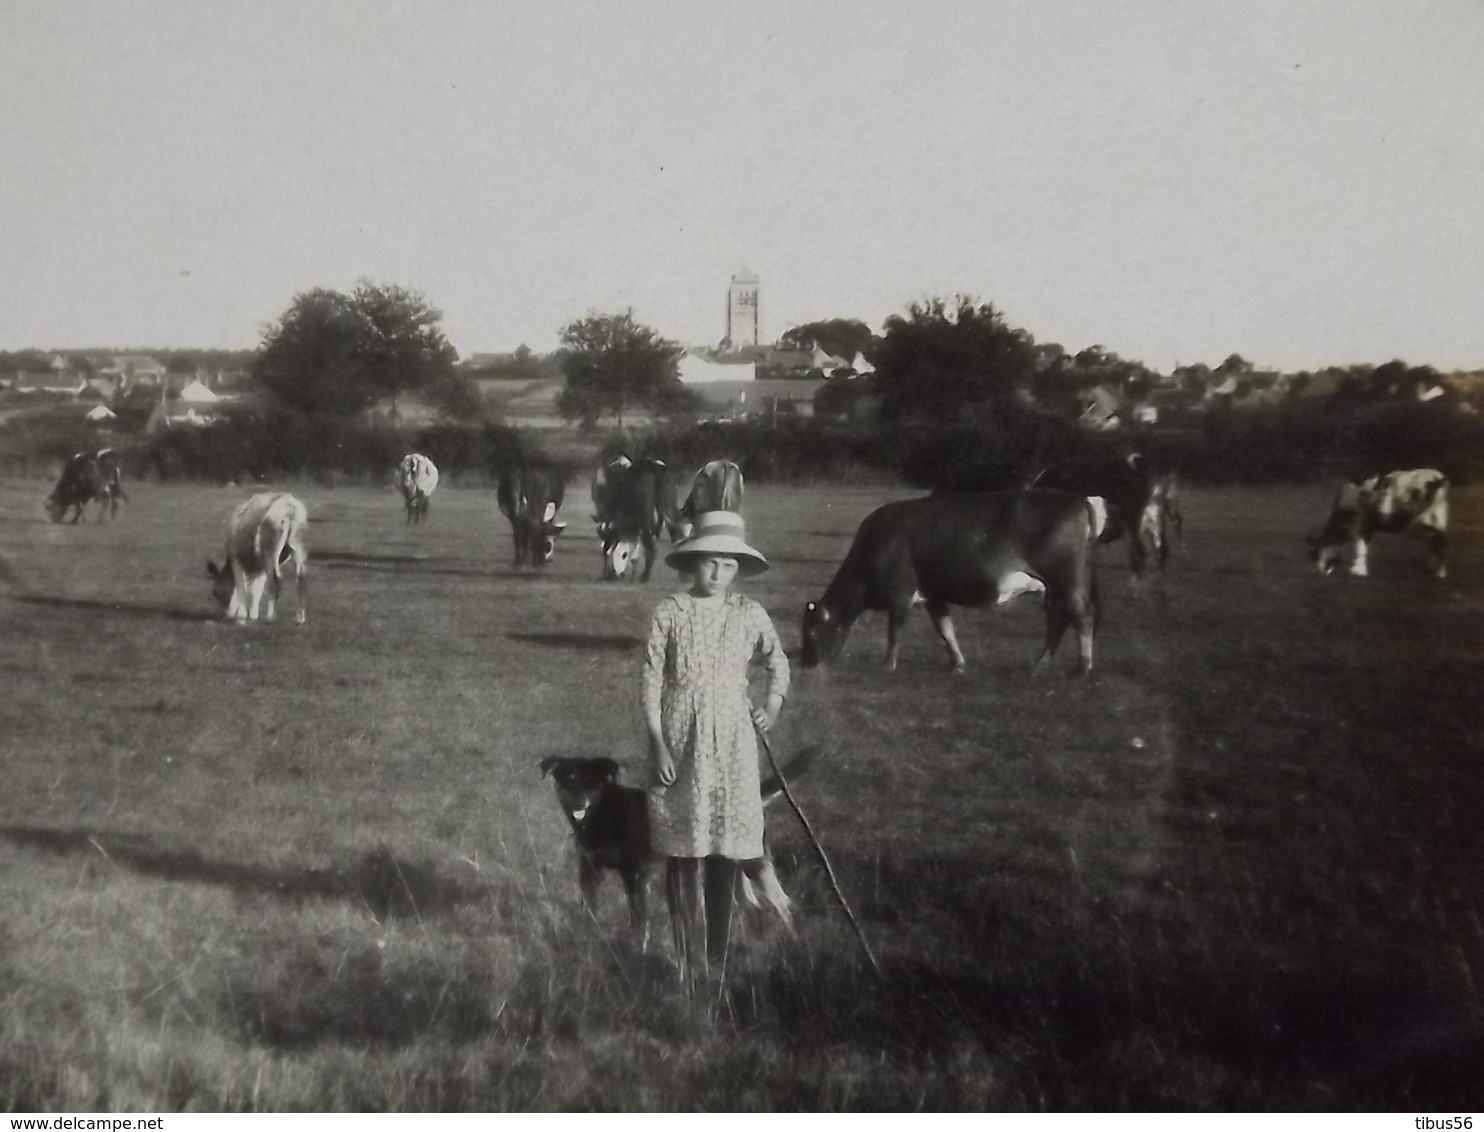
<point x="742" y="322"/>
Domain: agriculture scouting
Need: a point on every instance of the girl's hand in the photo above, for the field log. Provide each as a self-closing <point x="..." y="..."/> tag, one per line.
<point x="664" y="763"/>
<point x="762" y="720"/>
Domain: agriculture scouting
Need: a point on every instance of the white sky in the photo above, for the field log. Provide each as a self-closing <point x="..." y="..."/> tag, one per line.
<point x="1301" y="181"/>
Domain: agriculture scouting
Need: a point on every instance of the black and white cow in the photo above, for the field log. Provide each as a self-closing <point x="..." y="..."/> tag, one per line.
<point x="417" y="478"/>
<point x="633" y="501"/>
<point x="85" y="477"/>
<point x="1142" y="503"/>
<point x="530" y="495"/>
<point x="1413" y="501"/>
<point x="969" y="550"/>
<point x="265" y="532"/>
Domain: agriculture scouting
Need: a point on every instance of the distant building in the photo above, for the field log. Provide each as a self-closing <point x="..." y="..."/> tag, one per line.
<point x="699" y="367"/>
<point x="742" y="307"/>
<point x="760" y="397"/>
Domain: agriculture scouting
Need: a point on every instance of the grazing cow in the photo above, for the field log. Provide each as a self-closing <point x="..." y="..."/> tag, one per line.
<point x="530" y="494"/>
<point x="1414" y="501"/>
<point x="1161" y="521"/>
<point x="264" y="533"/>
<point x="85" y="477"/>
<point x="633" y="501"/>
<point x="717" y="487"/>
<point x="1136" y="498"/>
<point x="417" y="477"/>
<point x="968" y="550"/>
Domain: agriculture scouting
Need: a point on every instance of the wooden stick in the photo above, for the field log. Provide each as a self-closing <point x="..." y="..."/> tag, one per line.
<point x="819" y="849"/>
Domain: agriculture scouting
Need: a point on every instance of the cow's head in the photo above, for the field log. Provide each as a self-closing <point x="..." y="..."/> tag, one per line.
<point x="619" y="554"/>
<point x="823" y="634"/>
<point x="221" y="582"/>
<point x="55" y="508"/>
<point x="1325" y="552"/>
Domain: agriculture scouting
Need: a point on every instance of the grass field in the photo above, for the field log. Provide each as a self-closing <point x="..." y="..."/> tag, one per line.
<point x="279" y="868"/>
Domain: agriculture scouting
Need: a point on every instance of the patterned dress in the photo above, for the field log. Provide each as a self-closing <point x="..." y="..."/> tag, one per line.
<point x="695" y="670"/>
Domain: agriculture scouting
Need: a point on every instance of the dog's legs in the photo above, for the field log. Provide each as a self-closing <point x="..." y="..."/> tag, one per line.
<point x="587" y="881"/>
<point x="638" y="909"/>
<point x="680" y="895"/>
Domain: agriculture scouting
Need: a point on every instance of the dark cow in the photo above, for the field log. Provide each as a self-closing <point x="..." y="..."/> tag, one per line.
<point x="1413" y="501"/>
<point x="633" y="501"/>
<point x="717" y="487"/>
<point x="1137" y="499"/>
<point x="968" y="550"/>
<point x="264" y="532"/>
<point x="85" y="477"/>
<point x="530" y="494"/>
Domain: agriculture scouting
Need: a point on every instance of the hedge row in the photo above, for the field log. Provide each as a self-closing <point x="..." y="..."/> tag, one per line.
<point x="1256" y="447"/>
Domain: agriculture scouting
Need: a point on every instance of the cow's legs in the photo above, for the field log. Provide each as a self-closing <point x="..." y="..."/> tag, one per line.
<point x="896" y="619"/>
<point x="271" y="586"/>
<point x="301" y="580"/>
<point x="1138" y="556"/>
<point x="1358" y="563"/>
<point x="647" y="539"/>
<point x="237" y="604"/>
<point x="1058" y="617"/>
<point x="255" y="587"/>
<point x="1437" y="546"/>
<point x="938" y="611"/>
<point x="1084" y="621"/>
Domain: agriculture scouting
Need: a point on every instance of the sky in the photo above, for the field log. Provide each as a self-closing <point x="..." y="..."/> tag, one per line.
<point x="1175" y="180"/>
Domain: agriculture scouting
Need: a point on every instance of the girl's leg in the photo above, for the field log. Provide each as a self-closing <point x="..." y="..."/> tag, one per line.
<point x="680" y="896"/>
<point x="721" y="879"/>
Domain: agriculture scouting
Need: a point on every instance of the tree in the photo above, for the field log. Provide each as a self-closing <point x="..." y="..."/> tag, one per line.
<point x="338" y="354"/>
<point x="613" y="364"/>
<point x="943" y="359"/>
<point x="842" y="337"/>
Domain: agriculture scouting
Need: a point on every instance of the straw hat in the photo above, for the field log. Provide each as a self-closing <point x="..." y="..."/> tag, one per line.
<point x="722" y="533"/>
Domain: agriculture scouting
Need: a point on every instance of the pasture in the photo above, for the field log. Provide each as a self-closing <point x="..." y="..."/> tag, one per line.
<point x="278" y="868"/>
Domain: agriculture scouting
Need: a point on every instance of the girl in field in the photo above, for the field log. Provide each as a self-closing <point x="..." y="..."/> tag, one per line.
<point x="705" y="810"/>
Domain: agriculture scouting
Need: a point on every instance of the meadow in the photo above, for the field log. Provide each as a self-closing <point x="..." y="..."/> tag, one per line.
<point x="269" y="868"/>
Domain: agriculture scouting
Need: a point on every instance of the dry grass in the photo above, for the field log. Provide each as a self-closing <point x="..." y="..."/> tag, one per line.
<point x="270" y="868"/>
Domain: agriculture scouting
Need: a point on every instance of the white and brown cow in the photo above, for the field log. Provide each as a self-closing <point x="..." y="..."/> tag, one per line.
<point x="264" y="533"/>
<point x="417" y="477"/>
<point x="1414" y="502"/>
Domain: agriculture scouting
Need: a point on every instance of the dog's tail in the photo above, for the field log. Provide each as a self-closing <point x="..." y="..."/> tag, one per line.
<point x="773" y="784"/>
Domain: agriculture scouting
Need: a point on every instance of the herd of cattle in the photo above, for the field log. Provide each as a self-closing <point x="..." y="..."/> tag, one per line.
<point x="939" y="551"/>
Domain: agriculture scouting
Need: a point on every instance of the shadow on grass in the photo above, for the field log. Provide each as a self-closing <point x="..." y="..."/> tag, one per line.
<point x="617" y="642"/>
<point x="163" y="612"/>
<point x="378" y="880"/>
<point x="352" y="558"/>
<point x="1073" y="987"/>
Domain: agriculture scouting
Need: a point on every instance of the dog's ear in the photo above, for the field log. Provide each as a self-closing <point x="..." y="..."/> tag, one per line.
<point x="547" y="763"/>
<point x="607" y="768"/>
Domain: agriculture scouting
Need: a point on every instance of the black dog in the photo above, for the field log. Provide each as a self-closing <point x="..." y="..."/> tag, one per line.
<point x="610" y="824"/>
